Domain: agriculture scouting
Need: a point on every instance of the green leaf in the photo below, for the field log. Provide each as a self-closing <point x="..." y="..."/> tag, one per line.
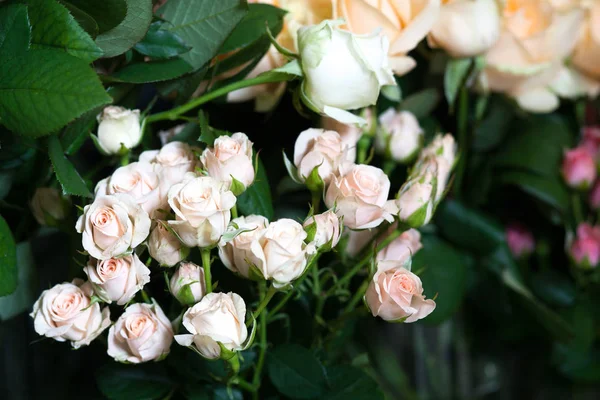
<point x="295" y="372"/>
<point x="66" y="173"/>
<point x="153" y="71"/>
<point x="553" y="287"/>
<point x="85" y="20"/>
<point x="348" y="382"/>
<point x="77" y="132"/>
<point x="422" y="103"/>
<point x="161" y="43"/>
<point x="495" y="126"/>
<point x="15" y="31"/>
<point x="550" y="190"/>
<point x="444" y="273"/>
<point x="130" y="31"/>
<point x="125" y="382"/>
<point x="52" y="27"/>
<point x="107" y="13"/>
<point x="454" y="77"/>
<point x="8" y="260"/>
<point x="253" y="26"/>
<point x="42" y="90"/>
<point x="24" y="296"/>
<point x="203" y="24"/>
<point x="257" y="197"/>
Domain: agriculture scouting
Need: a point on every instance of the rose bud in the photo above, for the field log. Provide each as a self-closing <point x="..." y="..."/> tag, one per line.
<point x="585" y="249"/>
<point x="187" y="283"/>
<point x="244" y="249"/>
<point x="591" y="139"/>
<point x="409" y="242"/>
<point x="218" y="319"/>
<point x="326" y="50"/>
<point x="112" y="226"/>
<point x="399" y="135"/>
<point x="416" y="199"/>
<point x="323" y="230"/>
<point x="466" y="28"/>
<point x="520" y="240"/>
<point x="395" y="294"/>
<point x="141" y="181"/>
<point x="175" y="159"/>
<point x="323" y="150"/>
<point x="594" y="198"/>
<point x="65" y="312"/>
<point x="443" y="150"/>
<point x="349" y="133"/>
<point x="117" y="279"/>
<point x="49" y="206"/>
<point x="230" y="158"/>
<point x="360" y="195"/>
<point x="118" y="127"/>
<point x="202" y="208"/>
<point x="142" y="333"/>
<point x="579" y="169"/>
<point x="164" y="246"/>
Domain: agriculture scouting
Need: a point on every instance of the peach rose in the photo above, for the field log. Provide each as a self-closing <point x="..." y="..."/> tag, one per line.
<point x="586" y="56"/>
<point x="396" y="294"/>
<point x="142" y="333"/>
<point x="350" y="133"/>
<point x="324" y="230"/>
<point x="112" y="226"/>
<point x="64" y="312"/>
<point x="416" y="198"/>
<point x="164" y="246"/>
<point x="230" y="157"/>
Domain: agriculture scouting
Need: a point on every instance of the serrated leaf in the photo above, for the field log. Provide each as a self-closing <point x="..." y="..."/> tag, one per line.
<point x="130" y="31"/>
<point x="43" y="90"/>
<point x="52" y="27"/>
<point x="77" y="132"/>
<point x="107" y="13"/>
<point x="14" y="29"/>
<point x="454" y="77"/>
<point x="153" y="71"/>
<point x="8" y="260"/>
<point x="161" y="43"/>
<point x="65" y="172"/>
<point x="203" y="24"/>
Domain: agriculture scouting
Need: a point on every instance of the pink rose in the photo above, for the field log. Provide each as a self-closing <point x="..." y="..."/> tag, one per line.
<point x="585" y="249"/>
<point x="579" y="168"/>
<point x="230" y="156"/>
<point x="520" y="240"/>
<point x="594" y="198"/>
<point x="409" y="242"/>
<point x="591" y="139"/>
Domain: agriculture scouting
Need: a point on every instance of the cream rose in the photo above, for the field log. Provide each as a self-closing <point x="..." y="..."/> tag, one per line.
<point x="230" y="157"/>
<point x="443" y="150"/>
<point x="416" y="198"/>
<point x="202" y="208"/>
<point x="350" y="133"/>
<point x="245" y="250"/>
<point x="187" y="283"/>
<point x="396" y="294"/>
<point x="142" y="333"/>
<point x="175" y="158"/>
<point x="404" y="22"/>
<point x="409" y="242"/>
<point x="117" y="279"/>
<point x="399" y="135"/>
<point x="164" y="246"/>
<point x="217" y="318"/>
<point x="49" y="206"/>
<point x="112" y="226"/>
<point x="360" y="195"/>
<point x="466" y="28"/>
<point x="118" y="127"/>
<point x="324" y="230"/>
<point x="64" y="312"/>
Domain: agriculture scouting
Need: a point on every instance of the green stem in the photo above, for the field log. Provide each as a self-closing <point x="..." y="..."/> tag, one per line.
<point x="357" y="296"/>
<point x="577" y="208"/>
<point x="363" y="145"/>
<point x="234" y="212"/>
<point x="262" y="352"/>
<point x="264" y="302"/>
<point x="146" y="297"/>
<point x="316" y="200"/>
<point x="245" y="385"/>
<point x="206" y="267"/>
<point x="463" y="138"/>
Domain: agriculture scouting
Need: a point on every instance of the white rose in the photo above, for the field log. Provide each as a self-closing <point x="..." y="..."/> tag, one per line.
<point x="175" y="158"/>
<point x="164" y="246"/>
<point x="118" y="127"/>
<point x="245" y="249"/>
<point x="399" y="135"/>
<point x="117" y="279"/>
<point x="142" y="333"/>
<point x="324" y="229"/>
<point x="202" y="208"/>
<point x="64" y="312"/>
<point x="112" y="226"/>
<point x="187" y="283"/>
<point x="49" y="206"/>
<point x="217" y="318"/>
<point x="230" y="156"/>
<point x="342" y="71"/>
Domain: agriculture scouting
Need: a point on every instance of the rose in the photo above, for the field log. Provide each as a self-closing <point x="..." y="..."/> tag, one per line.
<point x="326" y="50"/>
<point x="591" y="139"/>
<point x="396" y="294"/>
<point x="112" y="226"/>
<point x="409" y="242"/>
<point x="585" y="249"/>
<point x="416" y="198"/>
<point x="466" y="28"/>
<point x="357" y="240"/>
<point x="164" y="246"/>
<point x="399" y="135"/>
<point x="142" y="333"/>
<point x="230" y="158"/>
<point x="360" y="195"/>
<point x="48" y="206"/>
<point x="166" y="136"/>
<point x="65" y="312"/>
<point x="443" y="150"/>
<point x="218" y="318"/>
<point x="175" y="158"/>
<point x="320" y="149"/>
<point x="187" y="283"/>
<point x="579" y="168"/>
<point x="244" y="250"/>
<point x="141" y="181"/>
<point x="202" y="208"/>
<point x="534" y="41"/>
<point x="520" y="240"/>
<point x="117" y="279"/>
<point x="586" y="57"/>
<point x="404" y="22"/>
<point x="118" y="127"/>
<point x="594" y="197"/>
<point x="323" y="230"/>
<point x="349" y="133"/>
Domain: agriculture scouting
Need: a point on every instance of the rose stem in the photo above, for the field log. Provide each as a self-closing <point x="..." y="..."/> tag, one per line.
<point x="261" y="355"/>
<point x="206" y="267"/>
<point x="357" y="297"/>
<point x="266" y="298"/>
